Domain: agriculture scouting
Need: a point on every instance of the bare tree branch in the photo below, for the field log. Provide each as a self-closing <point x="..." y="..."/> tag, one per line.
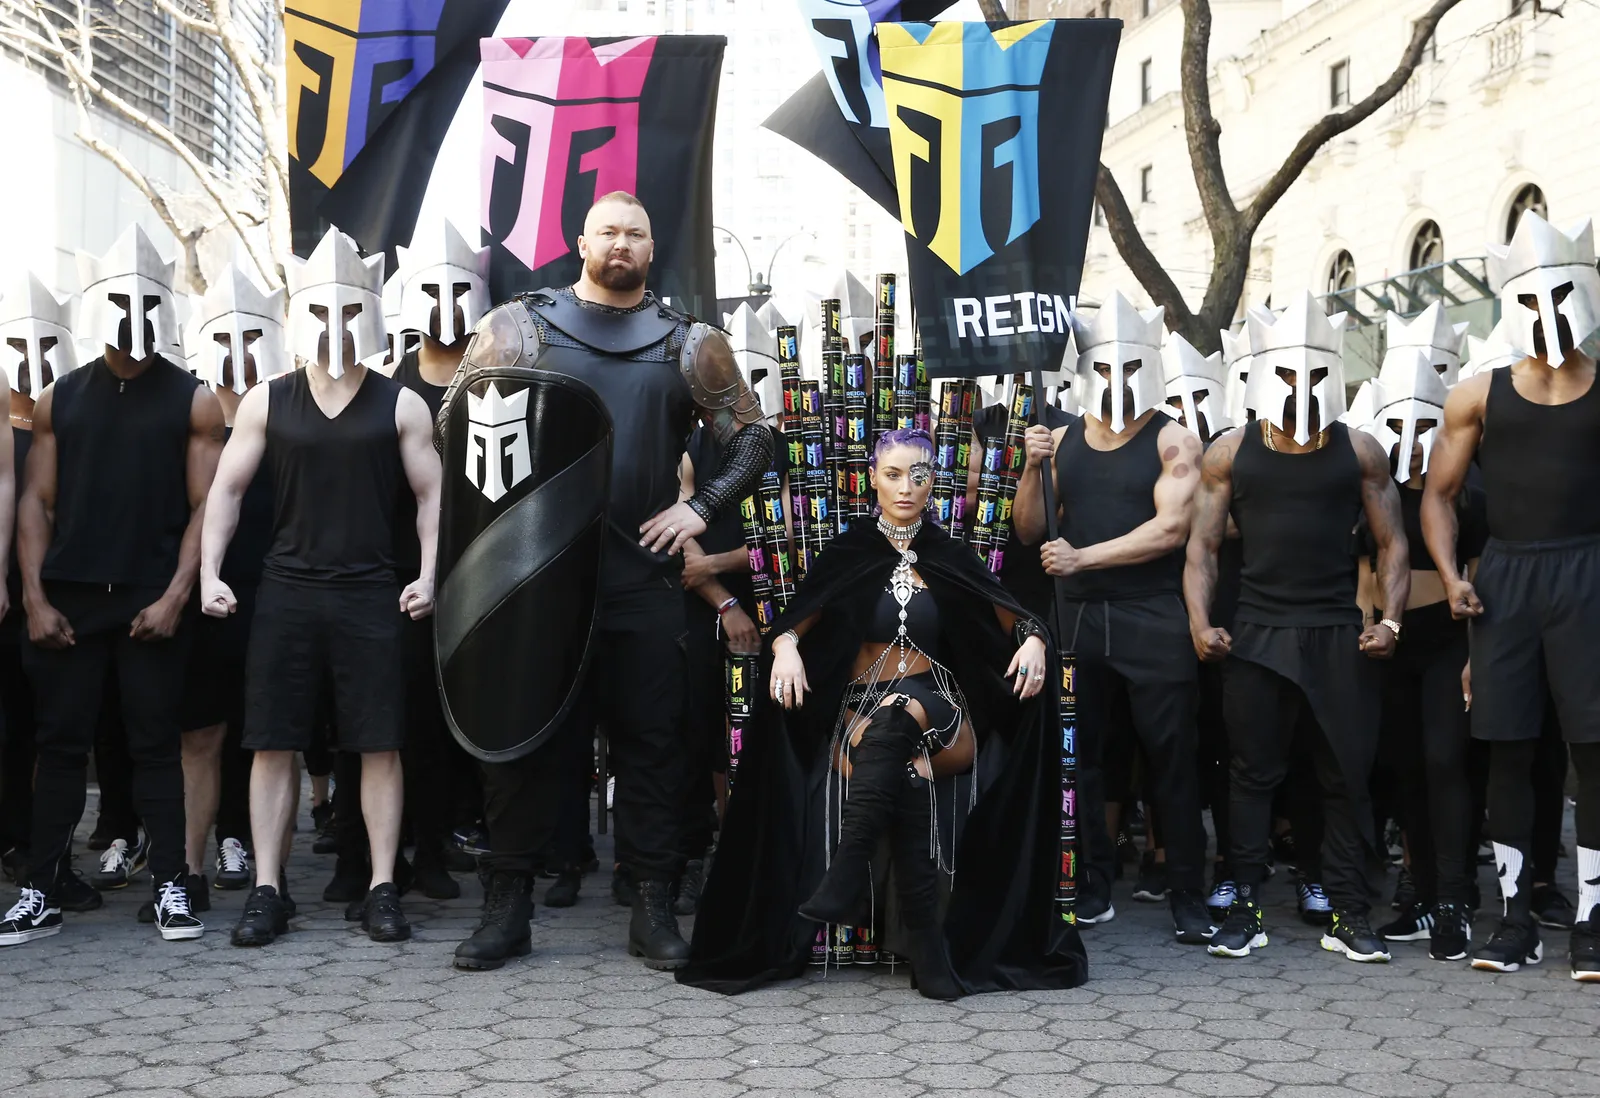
<point x="993" y="11"/>
<point x="1137" y="254"/>
<point x="1200" y="126"/>
<point x="1332" y="125"/>
<point x="194" y="23"/>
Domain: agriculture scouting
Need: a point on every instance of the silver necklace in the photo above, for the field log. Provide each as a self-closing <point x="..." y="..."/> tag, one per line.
<point x="902" y="581"/>
<point x="898" y="533"/>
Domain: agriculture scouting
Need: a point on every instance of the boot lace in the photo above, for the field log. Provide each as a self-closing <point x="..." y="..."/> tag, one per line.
<point x="498" y="901"/>
<point x="31" y="905"/>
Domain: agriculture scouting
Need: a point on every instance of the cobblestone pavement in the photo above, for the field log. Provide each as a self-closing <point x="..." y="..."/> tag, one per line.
<point x="108" y="1008"/>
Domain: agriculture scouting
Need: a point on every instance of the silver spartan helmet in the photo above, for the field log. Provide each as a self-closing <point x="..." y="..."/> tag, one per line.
<point x="1119" y="359"/>
<point x="444" y="283"/>
<point x="755" y="349"/>
<point x="1431" y="332"/>
<point x="399" y="342"/>
<point x="128" y="300"/>
<point x="237" y="333"/>
<point x="857" y="313"/>
<point x="1296" y="367"/>
<point x="1236" y="357"/>
<point x="1549" y="284"/>
<point x="497" y="441"/>
<point x="1195" y="384"/>
<point x="35" y="334"/>
<point x="335" y="296"/>
<point x="1408" y="397"/>
<point x="1491" y="352"/>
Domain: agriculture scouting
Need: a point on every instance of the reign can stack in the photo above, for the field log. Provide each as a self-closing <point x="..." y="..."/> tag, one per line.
<point x="883" y="360"/>
<point x="858" y="437"/>
<point x="818" y="477"/>
<point x="775" y="539"/>
<point x="795" y="434"/>
<point x="924" y="390"/>
<point x="904" y="397"/>
<point x="952" y="450"/>
<point x="1010" y="458"/>
<point x="833" y="406"/>
<point x="1067" y="882"/>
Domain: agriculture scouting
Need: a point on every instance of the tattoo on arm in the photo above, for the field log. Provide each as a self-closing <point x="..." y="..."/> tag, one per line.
<point x="1381" y="501"/>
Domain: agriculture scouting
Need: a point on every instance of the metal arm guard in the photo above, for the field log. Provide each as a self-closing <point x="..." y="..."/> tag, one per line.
<point x="745" y="458"/>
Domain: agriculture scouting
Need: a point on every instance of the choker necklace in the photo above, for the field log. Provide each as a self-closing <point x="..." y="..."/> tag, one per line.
<point x="1266" y="436"/>
<point x="898" y="533"/>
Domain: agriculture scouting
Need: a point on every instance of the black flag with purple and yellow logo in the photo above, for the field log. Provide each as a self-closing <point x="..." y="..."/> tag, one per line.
<point x="372" y="87"/>
<point x="567" y="120"/>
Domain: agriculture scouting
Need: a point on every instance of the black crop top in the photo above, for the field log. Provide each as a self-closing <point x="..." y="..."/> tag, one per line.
<point x="922" y="621"/>
<point x="1471" y="520"/>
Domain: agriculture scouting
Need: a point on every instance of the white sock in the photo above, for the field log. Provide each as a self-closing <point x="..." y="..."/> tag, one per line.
<point x="1509" y="861"/>
<point x="1588" y="882"/>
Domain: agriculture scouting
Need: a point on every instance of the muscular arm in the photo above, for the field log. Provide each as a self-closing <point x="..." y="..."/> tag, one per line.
<point x="1212" y="498"/>
<point x="36" y="509"/>
<point x="1381" y="501"/>
<point x="424" y="475"/>
<point x="1174" y="498"/>
<point x="8" y="486"/>
<point x="1027" y="511"/>
<point x="1447" y="472"/>
<point x="236" y="469"/>
<point x="207" y="432"/>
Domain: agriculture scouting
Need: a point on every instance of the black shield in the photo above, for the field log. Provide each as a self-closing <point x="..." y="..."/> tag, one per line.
<point x="522" y="522"/>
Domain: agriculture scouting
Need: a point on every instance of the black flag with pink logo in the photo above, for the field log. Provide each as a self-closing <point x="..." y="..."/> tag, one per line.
<point x="566" y="120"/>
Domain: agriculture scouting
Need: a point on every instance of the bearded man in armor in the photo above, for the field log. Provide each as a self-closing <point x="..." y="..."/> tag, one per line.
<point x="560" y="595"/>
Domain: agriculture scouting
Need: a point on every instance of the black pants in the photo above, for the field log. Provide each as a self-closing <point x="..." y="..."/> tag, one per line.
<point x="706" y="723"/>
<point x="1425" y="732"/>
<point x="1266" y="710"/>
<point x="1137" y="653"/>
<point x="635" y="687"/>
<point x="435" y="765"/>
<point x="1213" y="755"/>
<point x="1512" y="794"/>
<point x="68" y="686"/>
<point x="17" y="753"/>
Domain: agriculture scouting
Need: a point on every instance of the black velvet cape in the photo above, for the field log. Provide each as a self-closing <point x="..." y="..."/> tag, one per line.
<point x="1001" y="924"/>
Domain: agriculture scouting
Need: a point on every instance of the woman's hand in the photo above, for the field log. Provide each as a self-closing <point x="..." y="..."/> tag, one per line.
<point x="789" y="685"/>
<point x="1028" y="665"/>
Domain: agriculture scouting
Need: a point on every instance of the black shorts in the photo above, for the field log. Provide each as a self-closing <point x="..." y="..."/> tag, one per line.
<point x="345" y="641"/>
<point x="1540" y="623"/>
<point x="213" y="686"/>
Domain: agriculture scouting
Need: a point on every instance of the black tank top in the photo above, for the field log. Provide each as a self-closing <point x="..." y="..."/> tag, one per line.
<point x="334" y="483"/>
<point x="922" y="621"/>
<point x="407" y="549"/>
<point x="1540" y="463"/>
<point x="122" y="495"/>
<point x="1297" y="516"/>
<point x="247" y="552"/>
<point x="1022" y="572"/>
<point x="1105" y="494"/>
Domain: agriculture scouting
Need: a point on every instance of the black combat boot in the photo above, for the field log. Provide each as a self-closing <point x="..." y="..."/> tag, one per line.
<point x="653" y="931"/>
<point x="503" y="931"/>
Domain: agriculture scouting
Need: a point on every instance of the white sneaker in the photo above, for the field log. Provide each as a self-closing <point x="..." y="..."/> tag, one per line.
<point x="233" y="865"/>
<point x="173" y="918"/>
<point x="120" y="863"/>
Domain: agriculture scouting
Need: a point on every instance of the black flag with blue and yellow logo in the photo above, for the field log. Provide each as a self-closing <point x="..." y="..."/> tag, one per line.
<point x="995" y="137"/>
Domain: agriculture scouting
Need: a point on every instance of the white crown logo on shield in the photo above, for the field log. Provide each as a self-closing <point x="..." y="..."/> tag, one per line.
<point x="497" y="429"/>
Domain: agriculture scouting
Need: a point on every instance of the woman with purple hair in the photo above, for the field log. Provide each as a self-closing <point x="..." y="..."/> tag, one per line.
<point x="905" y="734"/>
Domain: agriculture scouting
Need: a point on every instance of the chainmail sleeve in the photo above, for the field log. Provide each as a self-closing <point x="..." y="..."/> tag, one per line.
<point x="746" y="457"/>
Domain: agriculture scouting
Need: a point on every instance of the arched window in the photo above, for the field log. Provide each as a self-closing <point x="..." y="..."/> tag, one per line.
<point x="1342" y="273"/>
<point x="1427" y="246"/>
<point x="1529" y="198"/>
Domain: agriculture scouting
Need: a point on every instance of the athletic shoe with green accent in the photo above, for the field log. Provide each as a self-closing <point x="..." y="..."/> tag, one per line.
<point x="1242" y="930"/>
<point x="1353" y="936"/>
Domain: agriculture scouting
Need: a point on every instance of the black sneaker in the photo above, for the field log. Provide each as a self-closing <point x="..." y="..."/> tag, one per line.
<point x="1584" y="951"/>
<point x="1243" y="929"/>
<point x="321" y="814"/>
<point x="120" y="863"/>
<point x="1352" y="935"/>
<point x="173" y="918"/>
<point x="1551" y="907"/>
<point x="327" y="840"/>
<point x="73" y="893"/>
<point x="382" y="917"/>
<point x="349" y="883"/>
<point x="263" y="919"/>
<point x="1223" y="893"/>
<point x="1094" y="910"/>
<point x="1151" y="886"/>
<point x="1405" y="891"/>
<point x="199" y="892"/>
<point x="1415" y="924"/>
<point x="432" y="879"/>
<point x="1190" y="920"/>
<point x="34" y="915"/>
<point x="1451" y="934"/>
<point x="1513" y="945"/>
<point x="234" y="871"/>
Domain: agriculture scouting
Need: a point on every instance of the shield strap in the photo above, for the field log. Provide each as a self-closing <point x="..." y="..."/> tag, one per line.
<point x="547" y="520"/>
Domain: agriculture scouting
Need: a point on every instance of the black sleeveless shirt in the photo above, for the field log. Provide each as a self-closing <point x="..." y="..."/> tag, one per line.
<point x="122" y="480"/>
<point x="407" y="549"/>
<point x="1105" y="494"/>
<point x="1297" y="516"/>
<point x="334" y="483"/>
<point x="1540" y="463"/>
